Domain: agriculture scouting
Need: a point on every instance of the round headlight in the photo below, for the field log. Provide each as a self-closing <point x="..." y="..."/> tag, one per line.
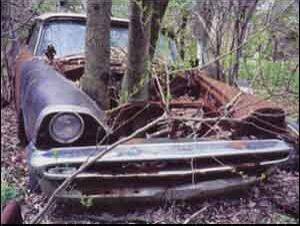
<point x="66" y="127"/>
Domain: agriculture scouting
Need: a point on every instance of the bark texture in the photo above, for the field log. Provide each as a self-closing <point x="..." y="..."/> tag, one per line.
<point x="16" y="18"/>
<point x="145" y="24"/>
<point x="159" y="10"/>
<point x="134" y="85"/>
<point x="97" y="71"/>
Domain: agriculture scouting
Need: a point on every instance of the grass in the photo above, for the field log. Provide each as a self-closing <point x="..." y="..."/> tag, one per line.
<point x="276" y="75"/>
<point x="7" y="193"/>
<point x="280" y="80"/>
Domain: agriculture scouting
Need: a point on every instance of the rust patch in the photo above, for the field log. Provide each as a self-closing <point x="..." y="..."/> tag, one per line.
<point x="73" y="66"/>
<point x="256" y="116"/>
<point x="249" y="108"/>
<point x="238" y="145"/>
<point x="23" y="56"/>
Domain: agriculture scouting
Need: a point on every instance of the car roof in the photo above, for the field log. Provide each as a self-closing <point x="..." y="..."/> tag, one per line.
<point x="64" y="16"/>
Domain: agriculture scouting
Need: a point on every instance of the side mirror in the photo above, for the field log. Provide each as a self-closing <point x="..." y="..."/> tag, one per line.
<point x="50" y="52"/>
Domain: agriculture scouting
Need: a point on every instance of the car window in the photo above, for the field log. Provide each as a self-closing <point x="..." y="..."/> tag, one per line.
<point x="119" y="37"/>
<point x="68" y="37"/>
<point x="166" y="48"/>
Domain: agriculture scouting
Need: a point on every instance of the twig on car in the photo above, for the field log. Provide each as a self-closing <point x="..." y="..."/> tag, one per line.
<point x="128" y="120"/>
<point x="227" y="112"/>
<point x="161" y="92"/>
<point x="159" y="133"/>
<point x="168" y="86"/>
<point x="206" y="120"/>
<point x="187" y="221"/>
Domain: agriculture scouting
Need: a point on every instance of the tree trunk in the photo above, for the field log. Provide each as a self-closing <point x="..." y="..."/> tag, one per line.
<point x="69" y="6"/>
<point x="182" y="34"/>
<point x="203" y="16"/>
<point x="97" y="71"/>
<point x="245" y="12"/>
<point x="135" y="82"/>
<point x="203" y="52"/>
<point x="159" y="10"/>
<point x="6" y="86"/>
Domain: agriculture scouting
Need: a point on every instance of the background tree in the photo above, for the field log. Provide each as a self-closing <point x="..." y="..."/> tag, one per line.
<point x="144" y="28"/>
<point x="70" y="5"/>
<point x="16" y="18"/>
<point x="223" y="26"/>
<point x="177" y="27"/>
<point x="159" y="10"/>
<point x="201" y="25"/>
<point x="120" y="8"/>
<point x="138" y="68"/>
<point x="97" y="71"/>
<point x="243" y="13"/>
<point x="5" y="81"/>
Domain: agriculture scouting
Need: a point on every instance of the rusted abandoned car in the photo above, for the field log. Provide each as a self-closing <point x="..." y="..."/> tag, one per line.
<point x="63" y="126"/>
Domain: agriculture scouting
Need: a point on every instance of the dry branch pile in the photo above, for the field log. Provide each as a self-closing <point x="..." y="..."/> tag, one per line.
<point x="199" y="107"/>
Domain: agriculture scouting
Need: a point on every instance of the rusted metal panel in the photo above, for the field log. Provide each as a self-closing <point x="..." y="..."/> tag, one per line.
<point x="160" y="194"/>
<point x="247" y="103"/>
<point x="193" y="91"/>
<point x="255" y="112"/>
<point x="73" y="66"/>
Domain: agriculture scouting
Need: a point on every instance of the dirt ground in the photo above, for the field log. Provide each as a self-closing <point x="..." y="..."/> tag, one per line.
<point x="275" y="200"/>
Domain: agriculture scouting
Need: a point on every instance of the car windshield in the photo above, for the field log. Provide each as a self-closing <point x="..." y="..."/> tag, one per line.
<point x="68" y="38"/>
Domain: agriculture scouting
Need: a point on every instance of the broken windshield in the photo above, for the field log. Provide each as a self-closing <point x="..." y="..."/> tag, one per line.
<point x="68" y="38"/>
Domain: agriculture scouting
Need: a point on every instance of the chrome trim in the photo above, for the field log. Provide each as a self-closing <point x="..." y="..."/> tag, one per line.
<point x="217" y="142"/>
<point x="274" y="162"/>
<point x="54" y="137"/>
<point x="38" y="39"/>
<point x="293" y="130"/>
<point x="142" y="152"/>
<point x="47" y="16"/>
<point x="62" y="176"/>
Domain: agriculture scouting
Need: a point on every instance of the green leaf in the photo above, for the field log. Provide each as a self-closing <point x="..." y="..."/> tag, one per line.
<point x="86" y="201"/>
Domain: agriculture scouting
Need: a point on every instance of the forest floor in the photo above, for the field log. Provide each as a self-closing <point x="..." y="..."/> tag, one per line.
<point x="275" y="200"/>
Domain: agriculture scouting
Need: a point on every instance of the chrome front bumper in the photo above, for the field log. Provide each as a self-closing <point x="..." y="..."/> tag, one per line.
<point x="157" y="171"/>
